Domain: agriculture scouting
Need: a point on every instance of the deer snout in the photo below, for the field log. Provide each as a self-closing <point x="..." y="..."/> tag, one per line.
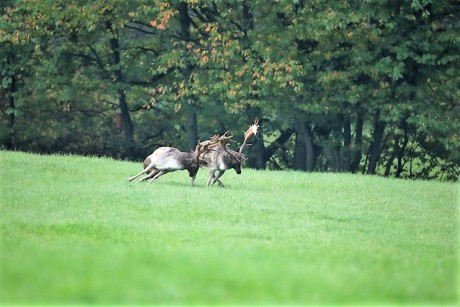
<point x="193" y="171"/>
<point x="238" y="169"/>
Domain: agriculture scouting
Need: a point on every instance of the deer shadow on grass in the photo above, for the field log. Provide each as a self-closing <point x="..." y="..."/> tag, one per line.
<point x="159" y="184"/>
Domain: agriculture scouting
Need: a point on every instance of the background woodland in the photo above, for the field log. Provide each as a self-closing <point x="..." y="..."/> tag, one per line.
<point x="345" y="86"/>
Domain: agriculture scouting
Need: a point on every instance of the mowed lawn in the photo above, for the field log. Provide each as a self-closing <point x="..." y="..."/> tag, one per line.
<point x="74" y="230"/>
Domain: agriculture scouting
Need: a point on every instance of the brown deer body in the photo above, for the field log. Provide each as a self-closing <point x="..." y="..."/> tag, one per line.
<point x="168" y="159"/>
<point x="222" y="158"/>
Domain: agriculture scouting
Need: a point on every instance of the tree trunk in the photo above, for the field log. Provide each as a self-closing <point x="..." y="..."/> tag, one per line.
<point x="392" y="158"/>
<point x="376" y="146"/>
<point x="127" y="127"/>
<point x="191" y="126"/>
<point x="190" y="108"/>
<point x="304" y="151"/>
<point x="300" y="147"/>
<point x="335" y="158"/>
<point x="347" y="146"/>
<point x="248" y="21"/>
<point x="11" y="116"/>
<point x="357" y="150"/>
<point x="400" y="166"/>
<point x="261" y="160"/>
<point x="311" y="152"/>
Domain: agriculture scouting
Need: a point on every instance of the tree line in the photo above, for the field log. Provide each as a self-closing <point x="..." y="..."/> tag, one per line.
<point x="354" y="86"/>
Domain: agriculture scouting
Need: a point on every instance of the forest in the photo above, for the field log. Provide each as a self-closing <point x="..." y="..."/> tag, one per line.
<point x="365" y="86"/>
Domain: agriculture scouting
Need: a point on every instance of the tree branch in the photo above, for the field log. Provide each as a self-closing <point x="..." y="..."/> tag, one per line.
<point x="280" y="140"/>
<point x="154" y="79"/>
<point x="140" y="48"/>
<point x="140" y="29"/>
<point x="98" y="59"/>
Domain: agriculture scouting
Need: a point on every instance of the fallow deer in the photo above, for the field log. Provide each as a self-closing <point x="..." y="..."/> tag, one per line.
<point x="168" y="159"/>
<point x="222" y="158"/>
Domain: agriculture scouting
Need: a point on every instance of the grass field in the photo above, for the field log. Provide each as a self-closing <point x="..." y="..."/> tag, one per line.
<point x="73" y="230"/>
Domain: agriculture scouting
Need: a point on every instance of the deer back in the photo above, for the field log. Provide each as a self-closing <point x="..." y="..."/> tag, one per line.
<point x="169" y="158"/>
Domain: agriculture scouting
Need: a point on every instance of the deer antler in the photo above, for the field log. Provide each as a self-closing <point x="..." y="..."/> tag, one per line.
<point x="224" y="140"/>
<point x="205" y="146"/>
<point x="252" y="130"/>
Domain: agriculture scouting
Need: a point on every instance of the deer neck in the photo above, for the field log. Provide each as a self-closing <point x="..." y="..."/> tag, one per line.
<point x="188" y="159"/>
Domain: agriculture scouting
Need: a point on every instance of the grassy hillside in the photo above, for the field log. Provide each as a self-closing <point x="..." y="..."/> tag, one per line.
<point x="73" y="230"/>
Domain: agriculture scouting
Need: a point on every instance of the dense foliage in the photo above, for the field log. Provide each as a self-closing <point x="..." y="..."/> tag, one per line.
<point x="357" y="86"/>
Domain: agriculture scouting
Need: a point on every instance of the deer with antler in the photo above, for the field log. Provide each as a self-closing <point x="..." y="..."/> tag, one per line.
<point x="222" y="158"/>
<point x="168" y="159"/>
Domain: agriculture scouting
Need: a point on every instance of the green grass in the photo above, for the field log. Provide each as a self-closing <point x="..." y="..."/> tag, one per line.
<point x="73" y="230"/>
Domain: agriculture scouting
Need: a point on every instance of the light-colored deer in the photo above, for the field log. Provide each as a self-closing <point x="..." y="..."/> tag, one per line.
<point x="168" y="159"/>
<point x="222" y="158"/>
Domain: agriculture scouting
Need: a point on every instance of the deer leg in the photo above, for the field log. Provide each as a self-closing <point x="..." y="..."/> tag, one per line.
<point x="157" y="175"/>
<point x="193" y="180"/>
<point x="143" y="172"/>
<point x="135" y="176"/>
<point x="153" y="173"/>
<point x="217" y="178"/>
<point x="220" y="183"/>
<point x="211" y="176"/>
